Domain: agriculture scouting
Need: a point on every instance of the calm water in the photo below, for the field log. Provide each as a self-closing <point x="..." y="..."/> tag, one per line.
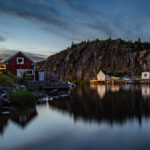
<point x="98" y="117"/>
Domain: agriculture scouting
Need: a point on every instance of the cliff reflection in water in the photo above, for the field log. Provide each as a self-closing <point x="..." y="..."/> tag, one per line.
<point x="111" y="103"/>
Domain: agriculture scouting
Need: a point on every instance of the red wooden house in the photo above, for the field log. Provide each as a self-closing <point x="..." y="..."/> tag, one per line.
<point x="19" y="63"/>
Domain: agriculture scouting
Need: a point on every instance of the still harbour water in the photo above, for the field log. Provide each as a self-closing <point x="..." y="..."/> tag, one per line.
<point x="96" y="118"/>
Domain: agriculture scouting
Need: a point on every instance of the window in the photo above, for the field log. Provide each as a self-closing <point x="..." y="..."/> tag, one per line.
<point x="145" y="75"/>
<point x="21" y="71"/>
<point x="29" y="72"/>
<point x="20" y="60"/>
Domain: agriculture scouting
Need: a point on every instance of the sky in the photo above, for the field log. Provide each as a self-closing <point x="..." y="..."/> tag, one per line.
<point x="49" y="26"/>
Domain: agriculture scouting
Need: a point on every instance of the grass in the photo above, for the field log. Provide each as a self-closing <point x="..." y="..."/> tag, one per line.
<point x="79" y="82"/>
<point x="74" y="80"/>
<point x="23" y="98"/>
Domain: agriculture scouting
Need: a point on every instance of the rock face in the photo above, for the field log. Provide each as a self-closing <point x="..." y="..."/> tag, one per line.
<point x="86" y="59"/>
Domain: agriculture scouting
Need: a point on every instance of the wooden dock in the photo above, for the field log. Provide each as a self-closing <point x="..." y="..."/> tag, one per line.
<point x="50" y="85"/>
<point x="97" y="81"/>
<point x="109" y="81"/>
<point x="142" y="81"/>
<point x="119" y="81"/>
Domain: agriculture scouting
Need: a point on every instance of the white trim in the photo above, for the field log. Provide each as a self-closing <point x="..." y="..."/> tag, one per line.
<point x="34" y="72"/>
<point x="22" y="60"/>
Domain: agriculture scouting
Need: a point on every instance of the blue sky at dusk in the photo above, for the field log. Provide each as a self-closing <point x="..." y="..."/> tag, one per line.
<point x="48" y="26"/>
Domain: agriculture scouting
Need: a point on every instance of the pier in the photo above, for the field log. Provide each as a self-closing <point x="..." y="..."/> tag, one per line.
<point x="50" y="85"/>
<point x="119" y="81"/>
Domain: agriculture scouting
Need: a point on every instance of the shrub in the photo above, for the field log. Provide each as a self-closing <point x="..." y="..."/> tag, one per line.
<point x="81" y="82"/>
<point x="139" y="73"/>
<point x="24" y="79"/>
<point x="72" y="78"/>
<point x="118" y="74"/>
<point x="7" y="79"/>
<point x="40" y="88"/>
<point x="23" y="98"/>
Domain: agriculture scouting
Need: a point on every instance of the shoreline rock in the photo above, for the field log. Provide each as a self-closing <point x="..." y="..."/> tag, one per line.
<point x="5" y="101"/>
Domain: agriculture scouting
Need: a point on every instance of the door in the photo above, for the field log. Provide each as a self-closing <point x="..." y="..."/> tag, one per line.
<point x="41" y="76"/>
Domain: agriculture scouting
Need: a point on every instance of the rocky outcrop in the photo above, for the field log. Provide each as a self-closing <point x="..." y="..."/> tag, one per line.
<point x="5" y="101"/>
<point x="4" y="96"/>
<point x="84" y="60"/>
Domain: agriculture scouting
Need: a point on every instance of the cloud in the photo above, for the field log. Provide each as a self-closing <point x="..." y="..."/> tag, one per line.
<point x="52" y="20"/>
<point x="76" y="19"/>
<point x="30" y="10"/>
<point x="127" y="19"/>
<point x="41" y="13"/>
<point x="2" y="39"/>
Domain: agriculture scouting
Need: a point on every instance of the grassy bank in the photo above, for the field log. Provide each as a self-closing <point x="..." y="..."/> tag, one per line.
<point x="74" y="80"/>
<point x="23" y="98"/>
<point x="79" y="82"/>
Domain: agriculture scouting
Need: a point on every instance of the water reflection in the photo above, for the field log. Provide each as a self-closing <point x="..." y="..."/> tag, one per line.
<point x="115" y="103"/>
<point x="146" y="91"/>
<point x="22" y="118"/>
<point x="98" y="117"/>
<point x="3" y="124"/>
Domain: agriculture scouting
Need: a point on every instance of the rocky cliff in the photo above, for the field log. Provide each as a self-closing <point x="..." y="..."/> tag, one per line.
<point x="86" y="59"/>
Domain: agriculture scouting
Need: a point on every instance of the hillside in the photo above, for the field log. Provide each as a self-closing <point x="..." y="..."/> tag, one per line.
<point x="5" y="54"/>
<point x="84" y="60"/>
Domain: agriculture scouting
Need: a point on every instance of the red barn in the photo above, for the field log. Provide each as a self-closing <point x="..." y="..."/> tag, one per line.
<point x="19" y="63"/>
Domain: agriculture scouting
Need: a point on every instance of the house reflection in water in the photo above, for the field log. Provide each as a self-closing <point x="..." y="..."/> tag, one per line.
<point x="23" y="119"/>
<point x="103" y="89"/>
<point x="3" y="124"/>
<point x="114" y="88"/>
<point x="145" y="91"/>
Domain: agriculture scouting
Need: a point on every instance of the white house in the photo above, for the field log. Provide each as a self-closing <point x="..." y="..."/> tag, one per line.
<point x="102" y="76"/>
<point x="145" y="75"/>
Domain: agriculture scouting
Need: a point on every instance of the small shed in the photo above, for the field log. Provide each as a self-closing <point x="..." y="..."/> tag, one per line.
<point x="102" y="75"/>
<point x="40" y="74"/>
<point x="145" y="75"/>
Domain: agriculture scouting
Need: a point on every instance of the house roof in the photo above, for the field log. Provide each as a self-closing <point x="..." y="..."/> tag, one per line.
<point x="10" y="58"/>
<point x="146" y="72"/>
<point x="105" y="72"/>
